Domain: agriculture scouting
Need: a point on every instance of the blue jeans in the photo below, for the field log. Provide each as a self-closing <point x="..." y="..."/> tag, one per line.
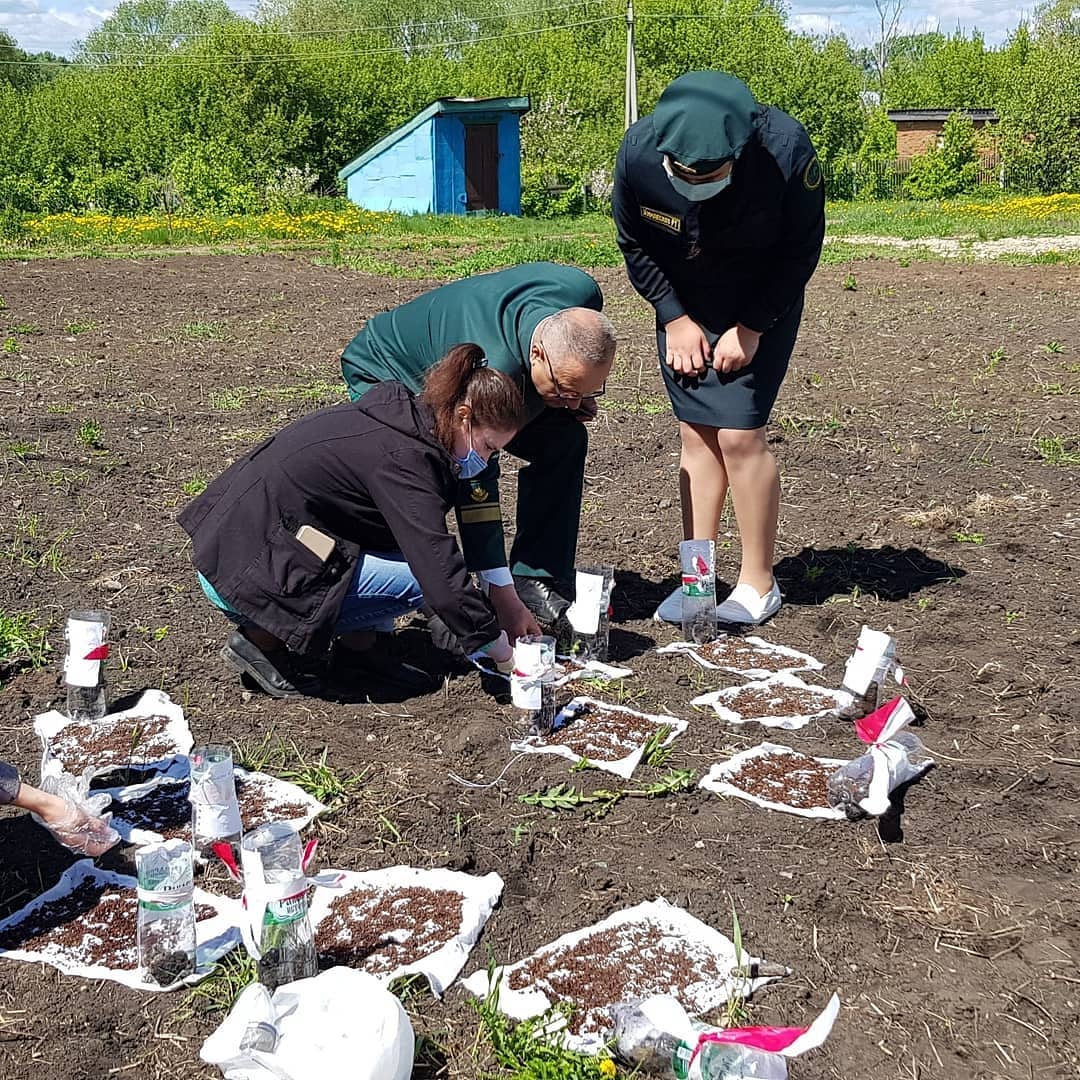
<point x="382" y="588"/>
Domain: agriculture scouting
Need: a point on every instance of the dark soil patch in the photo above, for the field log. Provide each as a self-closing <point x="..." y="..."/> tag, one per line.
<point x="601" y="734"/>
<point x="621" y="963"/>
<point x="914" y="497"/>
<point x="163" y="809"/>
<point x="777" y="700"/>
<point x="733" y="652"/>
<point x="129" y="742"/>
<point x="792" y="779"/>
<point x="381" y="930"/>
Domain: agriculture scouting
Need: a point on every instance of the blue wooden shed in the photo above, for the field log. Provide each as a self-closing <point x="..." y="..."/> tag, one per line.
<point x="459" y="154"/>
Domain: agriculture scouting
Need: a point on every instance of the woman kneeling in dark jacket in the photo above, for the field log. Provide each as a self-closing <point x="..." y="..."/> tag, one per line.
<point x="337" y="524"/>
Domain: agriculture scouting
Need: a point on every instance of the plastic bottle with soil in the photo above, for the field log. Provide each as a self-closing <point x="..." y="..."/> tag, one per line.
<point x="697" y="559"/>
<point x="589" y="614"/>
<point x="532" y="683"/>
<point x="655" y="1052"/>
<point x="275" y="884"/>
<point x="166" y="911"/>
<point x="87" y="634"/>
<point x="850" y="784"/>
<point x="215" y="812"/>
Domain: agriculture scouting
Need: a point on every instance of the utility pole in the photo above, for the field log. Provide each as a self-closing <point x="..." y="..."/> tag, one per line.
<point x="631" y="67"/>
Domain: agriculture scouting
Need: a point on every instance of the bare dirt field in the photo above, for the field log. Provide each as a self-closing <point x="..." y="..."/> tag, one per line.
<point x="927" y="434"/>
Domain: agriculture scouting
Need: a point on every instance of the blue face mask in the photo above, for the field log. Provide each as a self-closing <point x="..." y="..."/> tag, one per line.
<point x="472" y="464"/>
<point x="696" y="192"/>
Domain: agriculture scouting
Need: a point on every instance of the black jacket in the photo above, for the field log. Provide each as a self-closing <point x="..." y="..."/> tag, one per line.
<point x="372" y="475"/>
<point x="744" y="255"/>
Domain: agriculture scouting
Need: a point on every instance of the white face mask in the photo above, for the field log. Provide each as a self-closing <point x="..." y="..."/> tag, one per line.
<point x="695" y="192"/>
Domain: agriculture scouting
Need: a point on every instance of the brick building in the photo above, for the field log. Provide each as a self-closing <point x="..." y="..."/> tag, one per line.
<point x="919" y="130"/>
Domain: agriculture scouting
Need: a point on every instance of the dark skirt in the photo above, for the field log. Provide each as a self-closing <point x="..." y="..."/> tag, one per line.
<point x="740" y="400"/>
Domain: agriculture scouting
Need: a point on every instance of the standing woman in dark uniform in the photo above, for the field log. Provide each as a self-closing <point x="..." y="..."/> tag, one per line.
<point x="720" y="211"/>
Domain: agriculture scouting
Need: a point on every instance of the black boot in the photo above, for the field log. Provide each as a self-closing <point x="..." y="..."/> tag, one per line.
<point x="279" y="673"/>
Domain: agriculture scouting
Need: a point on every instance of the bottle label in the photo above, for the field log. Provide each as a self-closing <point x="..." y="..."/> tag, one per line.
<point x="86" y="649"/>
<point x="288" y="910"/>
<point x="680" y="1060"/>
<point x="695" y="586"/>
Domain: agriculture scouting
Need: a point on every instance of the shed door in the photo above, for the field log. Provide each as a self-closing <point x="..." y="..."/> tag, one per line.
<point x="482" y="166"/>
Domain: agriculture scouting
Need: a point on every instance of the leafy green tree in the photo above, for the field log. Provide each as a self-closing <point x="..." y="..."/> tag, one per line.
<point x="949" y="170"/>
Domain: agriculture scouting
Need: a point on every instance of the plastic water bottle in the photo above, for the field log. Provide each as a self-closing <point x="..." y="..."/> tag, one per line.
<point x="850" y="784"/>
<point x="275" y="883"/>
<point x="590" y="613"/>
<point x="655" y="1052"/>
<point x="697" y="559"/>
<point x="215" y="812"/>
<point x="166" y="912"/>
<point x="87" y="634"/>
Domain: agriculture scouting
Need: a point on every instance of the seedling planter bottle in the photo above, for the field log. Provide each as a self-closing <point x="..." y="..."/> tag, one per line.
<point x="87" y="634"/>
<point x="532" y="684"/>
<point x="275" y="894"/>
<point x="590" y="613"/>
<point x="215" y="812"/>
<point x="166" y="913"/>
<point x="697" y="559"/>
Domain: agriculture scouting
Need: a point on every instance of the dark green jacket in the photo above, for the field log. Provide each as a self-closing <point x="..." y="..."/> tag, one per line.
<point x="499" y="312"/>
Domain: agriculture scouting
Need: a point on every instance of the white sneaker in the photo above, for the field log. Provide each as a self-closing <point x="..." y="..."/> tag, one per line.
<point x="671" y="609"/>
<point x="747" y="605"/>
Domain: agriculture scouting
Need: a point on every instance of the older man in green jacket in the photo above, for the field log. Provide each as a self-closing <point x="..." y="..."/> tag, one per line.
<point x="541" y="324"/>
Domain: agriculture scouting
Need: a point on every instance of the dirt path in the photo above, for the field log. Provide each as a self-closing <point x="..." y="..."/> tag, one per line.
<point x="968" y="246"/>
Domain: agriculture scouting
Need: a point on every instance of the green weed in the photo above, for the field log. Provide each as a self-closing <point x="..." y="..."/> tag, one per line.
<point x="1053" y="451"/>
<point x="528" y="1050"/>
<point x="89" y="434"/>
<point x="217" y="993"/>
<point x="228" y="400"/>
<point x="285" y="759"/>
<point x="21" y="450"/>
<point x="11" y="345"/>
<point x="655" y="752"/>
<point x="21" y="640"/>
<point x="195" y="486"/>
<point x="81" y="326"/>
<point x="204" y="331"/>
<point x="961" y="536"/>
<point x="603" y="800"/>
<point x="849" y="283"/>
<point x="1054" y="347"/>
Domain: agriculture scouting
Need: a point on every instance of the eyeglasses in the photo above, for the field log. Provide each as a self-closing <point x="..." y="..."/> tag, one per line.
<point x="561" y="394"/>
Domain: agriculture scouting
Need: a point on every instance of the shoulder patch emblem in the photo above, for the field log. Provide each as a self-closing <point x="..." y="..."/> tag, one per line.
<point x="664" y="220"/>
<point x="811" y="177"/>
<point x="478" y="494"/>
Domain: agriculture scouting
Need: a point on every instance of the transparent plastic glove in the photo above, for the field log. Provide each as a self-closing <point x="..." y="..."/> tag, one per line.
<point x="500" y="653"/>
<point x="77" y="819"/>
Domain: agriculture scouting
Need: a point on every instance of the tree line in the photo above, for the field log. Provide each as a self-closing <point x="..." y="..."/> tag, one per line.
<point x="185" y="103"/>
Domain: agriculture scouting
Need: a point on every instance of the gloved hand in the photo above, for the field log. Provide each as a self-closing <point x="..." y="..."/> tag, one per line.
<point x="75" y="818"/>
<point x="501" y="653"/>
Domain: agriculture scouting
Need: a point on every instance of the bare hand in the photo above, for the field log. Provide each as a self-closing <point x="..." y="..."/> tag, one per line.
<point x="735" y="349"/>
<point x="514" y="617"/>
<point x="687" y="346"/>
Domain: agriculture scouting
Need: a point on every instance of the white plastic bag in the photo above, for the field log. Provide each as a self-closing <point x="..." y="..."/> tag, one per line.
<point x="340" y="1025"/>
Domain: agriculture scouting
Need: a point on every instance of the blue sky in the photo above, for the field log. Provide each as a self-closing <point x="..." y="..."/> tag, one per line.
<point x="56" y="25"/>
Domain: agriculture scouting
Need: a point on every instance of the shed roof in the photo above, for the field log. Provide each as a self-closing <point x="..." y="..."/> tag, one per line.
<point x="895" y="115"/>
<point x="436" y="108"/>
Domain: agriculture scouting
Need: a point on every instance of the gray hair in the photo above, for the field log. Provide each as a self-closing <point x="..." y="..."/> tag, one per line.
<point x="579" y="333"/>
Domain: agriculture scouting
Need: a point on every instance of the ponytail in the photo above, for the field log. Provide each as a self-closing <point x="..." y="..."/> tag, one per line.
<point x="462" y="377"/>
